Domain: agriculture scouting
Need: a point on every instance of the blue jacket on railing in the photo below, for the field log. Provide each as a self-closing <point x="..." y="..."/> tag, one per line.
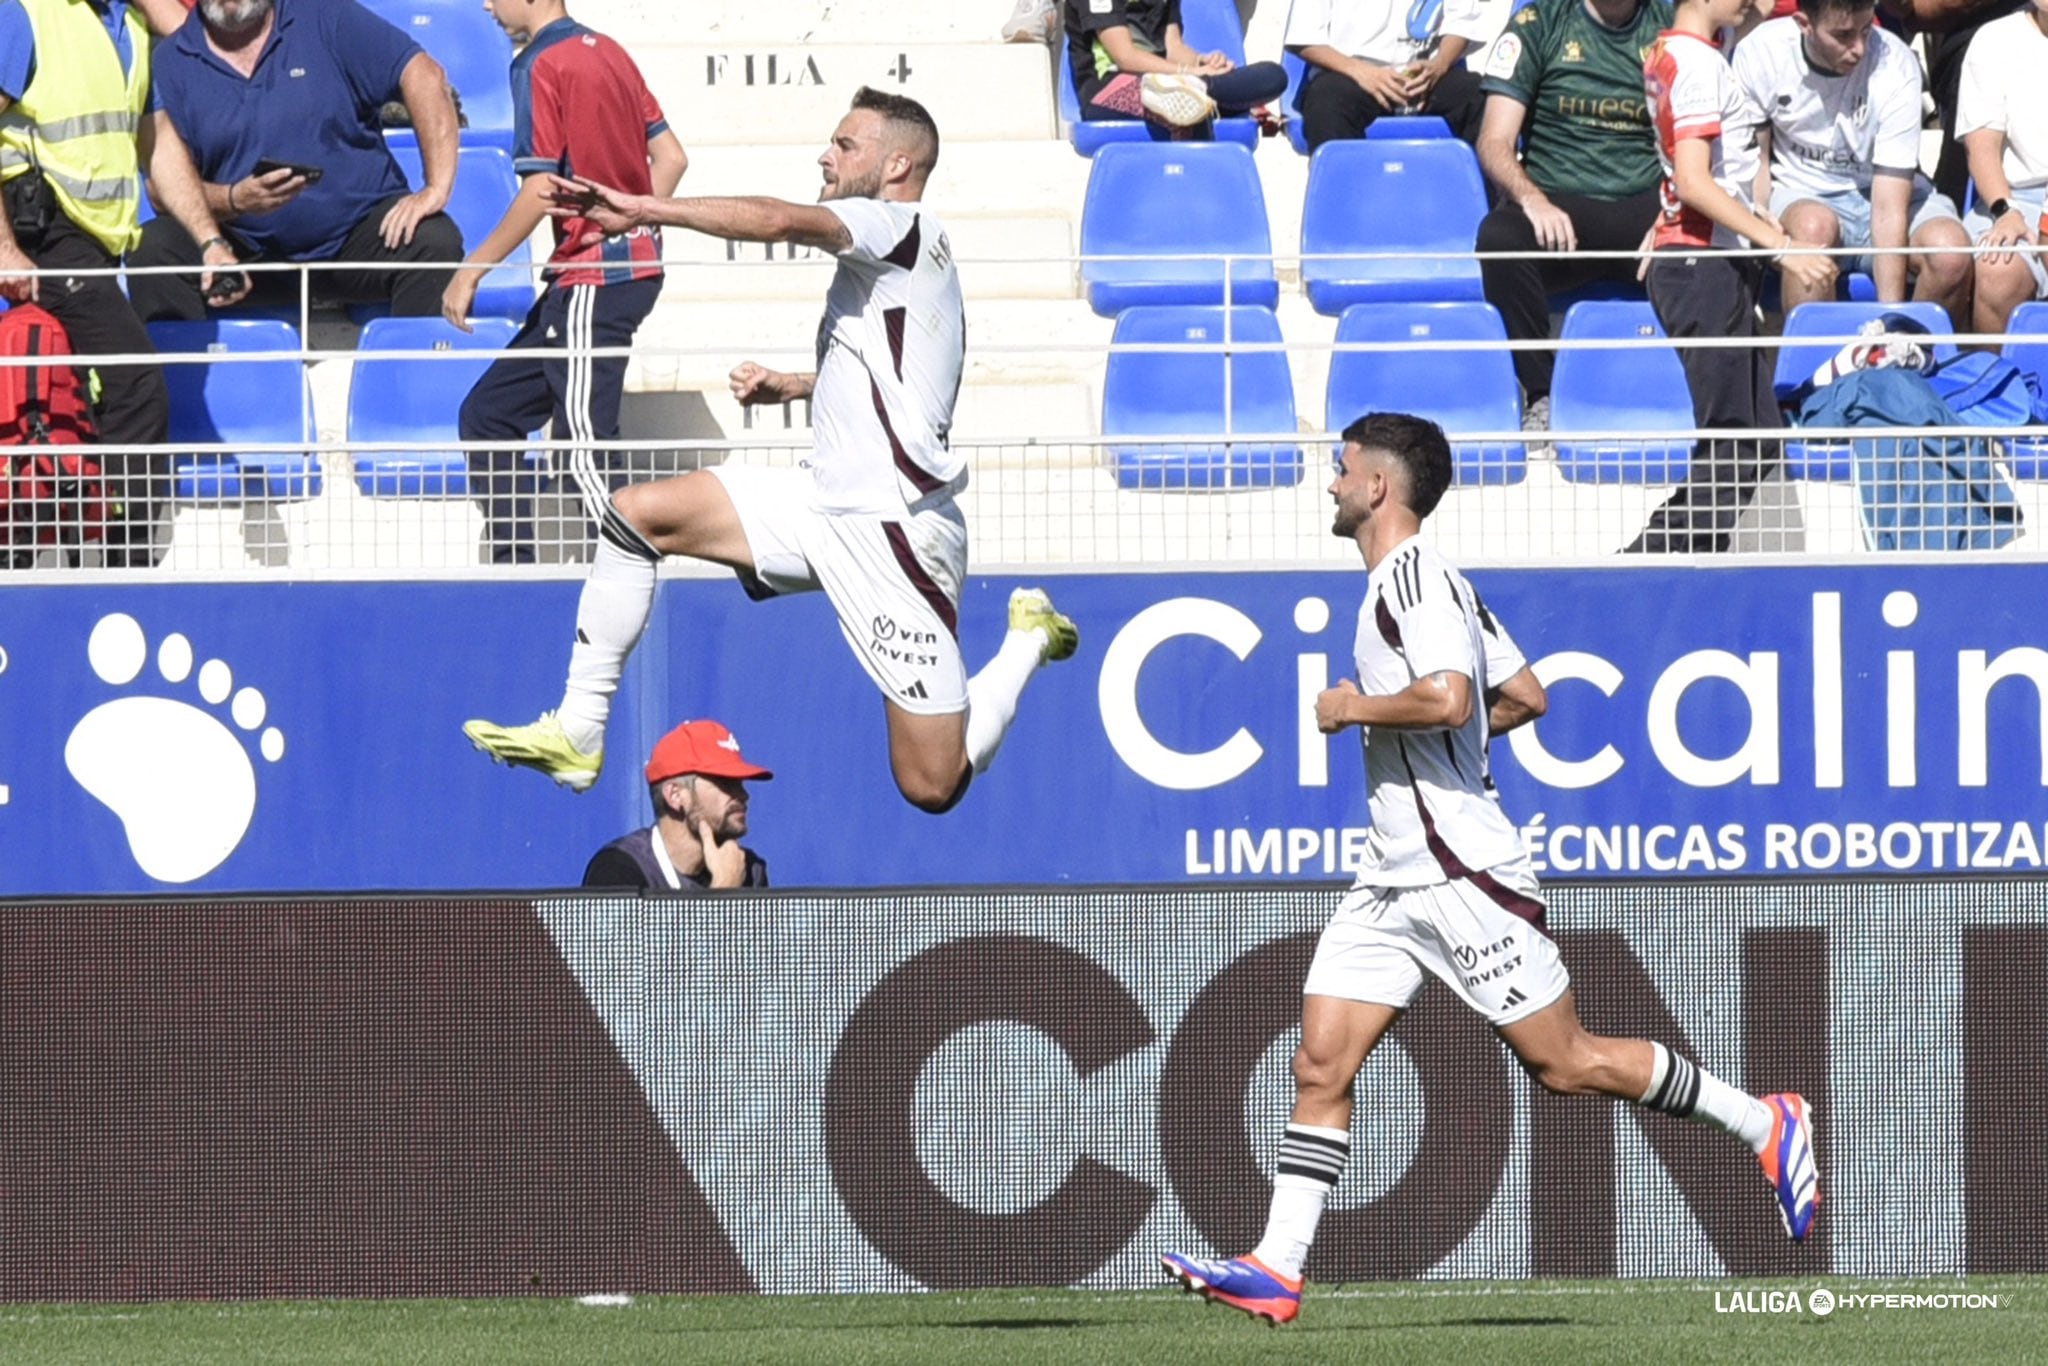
<point x="1916" y="492"/>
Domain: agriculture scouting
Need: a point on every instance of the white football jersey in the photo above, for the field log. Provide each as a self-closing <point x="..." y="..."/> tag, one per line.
<point x="1829" y="133"/>
<point x="1435" y="816"/>
<point x="890" y="350"/>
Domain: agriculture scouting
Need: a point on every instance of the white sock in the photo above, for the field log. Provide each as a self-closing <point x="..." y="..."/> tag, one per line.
<point x="1311" y="1160"/>
<point x="992" y="694"/>
<point x="1678" y="1086"/>
<point x="610" y="616"/>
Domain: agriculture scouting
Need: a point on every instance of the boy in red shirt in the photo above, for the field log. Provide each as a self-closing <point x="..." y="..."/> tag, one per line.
<point x="1707" y="139"/>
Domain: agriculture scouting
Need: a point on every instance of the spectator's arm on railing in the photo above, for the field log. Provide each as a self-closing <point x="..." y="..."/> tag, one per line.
<point x="423" y="85"/>
<point x="666" y="162"/>
<point x="175" y="185"/>
<point x="1498" y="132"/>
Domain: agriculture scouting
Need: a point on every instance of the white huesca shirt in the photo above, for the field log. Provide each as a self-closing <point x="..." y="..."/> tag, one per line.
<point x="1378" y="29"/>
<point x="2005" y="86"/>
<point x="1830" y="133"/>
<point x="890" y="350"/>
<point x="1434" y="812"/>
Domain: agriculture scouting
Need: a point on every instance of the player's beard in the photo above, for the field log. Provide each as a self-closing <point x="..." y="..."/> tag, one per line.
<point x="235" y="16"/>
<point x="868" y="186"/>
<point x="1345" y="523"/>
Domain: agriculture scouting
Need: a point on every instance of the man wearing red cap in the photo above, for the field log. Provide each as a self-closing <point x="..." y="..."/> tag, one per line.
<point x="698" y="783"/>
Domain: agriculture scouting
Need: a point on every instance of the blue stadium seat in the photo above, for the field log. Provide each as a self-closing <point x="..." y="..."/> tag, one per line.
<point x="1161" y="393"/>
<point x="1377" y="195"/>
<point x="1154" y="200"/>
<point x="2026" y="345"/>
<point x="1460" y="391"/>
<point x="1208" y="26"/>
<point x="1640" y="388"/>
<point x="237" y="401"/>
<point x="484" y="187"/>
<point x="392" y="399"/>
<point x="1408" y="127"/>
<point x="1290" y="101"/>
<point x="474" y="52"/>
<point x="1832" y="460"/>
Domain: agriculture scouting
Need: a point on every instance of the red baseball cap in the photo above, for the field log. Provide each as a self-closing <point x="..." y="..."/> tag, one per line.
<point x="699" y="747"/>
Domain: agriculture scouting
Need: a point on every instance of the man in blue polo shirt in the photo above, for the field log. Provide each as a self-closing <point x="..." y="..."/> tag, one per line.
<point x="297" y="83"/>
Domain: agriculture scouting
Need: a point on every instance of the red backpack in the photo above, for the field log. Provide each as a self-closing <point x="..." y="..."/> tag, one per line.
<point x="48" y="498"/>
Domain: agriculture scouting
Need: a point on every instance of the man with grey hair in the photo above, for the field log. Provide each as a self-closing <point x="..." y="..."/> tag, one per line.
<point x="275" y="102"/>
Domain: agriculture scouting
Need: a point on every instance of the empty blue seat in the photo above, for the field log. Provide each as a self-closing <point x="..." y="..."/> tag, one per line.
<point x="1630" y="389"/>
<point x="1375" y="195"/>
<point x="1798" y="360"/>
<point x="1184" y="393"/>
<point x="394" y="399"/>
<point x="1460" y="391"/>
<point x="1290" y="101"/>
<point x="484" y="187"/>
<point x="474" y="52"/>
<point x="2026" y="345"/>
<point x="237" y="401"/>
<point x="1208" y="26"/>
<point x="1155" y="200"/>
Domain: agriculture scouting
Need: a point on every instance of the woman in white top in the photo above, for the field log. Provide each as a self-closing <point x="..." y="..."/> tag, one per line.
<point x="2002" y="121"/>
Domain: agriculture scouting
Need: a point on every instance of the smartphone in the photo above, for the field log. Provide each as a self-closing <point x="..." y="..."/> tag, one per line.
<point x="311" y="173"/>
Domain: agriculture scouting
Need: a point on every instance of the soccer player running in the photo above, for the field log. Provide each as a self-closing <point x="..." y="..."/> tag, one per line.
<point x="871" y="521"/>
<point x="1445" y="887"/>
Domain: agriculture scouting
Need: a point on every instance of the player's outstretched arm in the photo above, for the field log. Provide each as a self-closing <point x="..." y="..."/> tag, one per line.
<point x="1438" y="701"/>
<point x="1516" y="702"/>
<point x="754" y="384"/>
<point x="755" y="218"/>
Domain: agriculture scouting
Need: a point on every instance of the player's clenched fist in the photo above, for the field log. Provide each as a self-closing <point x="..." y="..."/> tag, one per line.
<point x="752" y="384"/>
<point x="1333" y="706"/>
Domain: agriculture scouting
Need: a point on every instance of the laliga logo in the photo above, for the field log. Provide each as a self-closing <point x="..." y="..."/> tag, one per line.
<point x="1757" y="757"/>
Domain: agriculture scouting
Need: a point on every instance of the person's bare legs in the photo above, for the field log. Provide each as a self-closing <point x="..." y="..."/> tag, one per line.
<point x="1810" y="223"/>
<point x="1943" y="270"/>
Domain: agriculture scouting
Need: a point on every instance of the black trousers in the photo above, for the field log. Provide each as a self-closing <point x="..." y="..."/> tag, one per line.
<point x="1521" y="290"/>
<point x="1707" y="294"/>
<point x="1333" y="106"/>
<point x="577" y="396"/>
<point x="133" y="406"/>
<point x="371" y="278"/>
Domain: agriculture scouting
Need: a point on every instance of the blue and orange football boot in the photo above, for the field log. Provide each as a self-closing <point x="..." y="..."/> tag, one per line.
<point x="1244" y="1283"/>
<point x="1789" y="1163"/>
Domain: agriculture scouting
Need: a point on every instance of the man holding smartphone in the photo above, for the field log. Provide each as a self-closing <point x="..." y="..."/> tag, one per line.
<point x="275" y="103"/>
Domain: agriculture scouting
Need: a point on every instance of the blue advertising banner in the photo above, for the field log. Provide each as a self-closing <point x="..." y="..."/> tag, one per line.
<point x="1703" y="721"/>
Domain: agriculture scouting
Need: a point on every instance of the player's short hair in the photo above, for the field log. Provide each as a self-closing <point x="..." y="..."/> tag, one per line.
<point x="912" y="121"/>
<point x="1814" y="9"/>
<point x="1417" y="445"/>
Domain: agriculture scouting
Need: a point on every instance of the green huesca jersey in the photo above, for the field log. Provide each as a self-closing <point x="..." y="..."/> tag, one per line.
<point x="1588" y="131"/>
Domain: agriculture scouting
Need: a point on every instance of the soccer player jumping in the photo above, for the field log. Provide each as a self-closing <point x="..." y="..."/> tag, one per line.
<point x="871" y="520"/>
<point x="1445" y="884"/>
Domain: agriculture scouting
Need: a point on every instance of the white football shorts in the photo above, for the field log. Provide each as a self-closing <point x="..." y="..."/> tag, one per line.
<point x="893" y="581"/>
<point x="1382" y="939"/>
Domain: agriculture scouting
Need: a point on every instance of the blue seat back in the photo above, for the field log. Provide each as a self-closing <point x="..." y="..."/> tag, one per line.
<point x="1419" y="195"/>
<point x="1460" y="391"/>
<point x="1153" y="200"/>
<point x="236" y="402"/>
<point x="1185" y="393"/>
<point x="484" y="188"/>
<point x="1408" y="127"/>
<point x="1636" y="388"/>
<point x="1797" y="360"/>
<point x="417" y="400"/>
<point x="474" y="52"/>
<point x="2026" y="345"/>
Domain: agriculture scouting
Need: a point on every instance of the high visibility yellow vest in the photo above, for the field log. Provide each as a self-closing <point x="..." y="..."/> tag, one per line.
<point x="79" y="118"/>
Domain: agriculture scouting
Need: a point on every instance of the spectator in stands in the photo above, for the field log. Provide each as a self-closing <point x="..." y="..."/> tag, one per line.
<point x="80" y="124"/>
<point x="1708" y="145"/>
<point x="1130" y="62"/>
<point x="1368" y="59"/>
<point x="1566" y="82"/>
<point x="1842" y="151"/>
<point x="277" y="108"/>
<point x="1950" y="26"/>
<point x="585" y="112"/>
<point x="698" y="783"/>
<point x="2002" y="118"/>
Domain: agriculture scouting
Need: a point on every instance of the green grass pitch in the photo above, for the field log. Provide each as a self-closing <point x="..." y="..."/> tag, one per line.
<point x="1470" y="1324"/>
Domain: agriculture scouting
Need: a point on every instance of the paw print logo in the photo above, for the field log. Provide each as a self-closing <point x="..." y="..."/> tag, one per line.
<point x="181" y="781"/>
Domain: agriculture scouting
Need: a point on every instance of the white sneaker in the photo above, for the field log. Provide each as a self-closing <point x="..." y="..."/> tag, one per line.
<point x="1177" y="100"/>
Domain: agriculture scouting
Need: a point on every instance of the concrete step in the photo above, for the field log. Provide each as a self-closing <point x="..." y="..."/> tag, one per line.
<point x="797" y="92"/>
<point x="1000" y="257"/>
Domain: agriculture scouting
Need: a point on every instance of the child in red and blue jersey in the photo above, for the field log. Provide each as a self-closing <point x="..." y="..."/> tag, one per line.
<point x="580" y="108"/>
